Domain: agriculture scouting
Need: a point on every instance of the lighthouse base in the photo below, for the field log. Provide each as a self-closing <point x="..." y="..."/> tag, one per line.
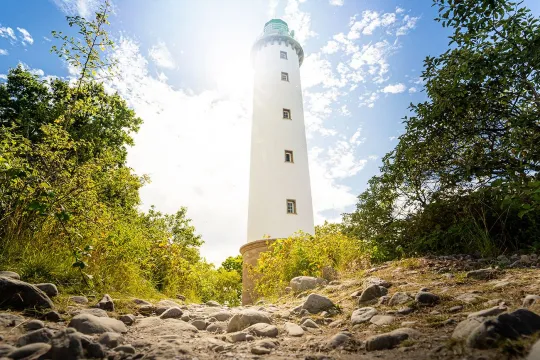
<point x="250" y="254"/>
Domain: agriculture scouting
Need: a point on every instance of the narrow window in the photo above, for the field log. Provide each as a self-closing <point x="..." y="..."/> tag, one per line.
<point x="285" y="76"/>
<point x="287" y="114"/>
<point x="283" y="55"/>
<point x="291" y="206"/>
<point x="289" y="156"/>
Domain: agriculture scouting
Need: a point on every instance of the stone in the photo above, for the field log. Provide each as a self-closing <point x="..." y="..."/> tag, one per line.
<point x="399" y="298"/>
<point x="92" y="311"/>
<point x="37" y="336"/>
<point x="146" y="310"/>
<point x="106" y="303"/>
<point x="534" y="354"/>
<point x="172" y="313"/>
<point x="18" y="295"/>
<point x="263" y="329"/>
<point x="303" y="283"/>
<point x="67" y="345"/>
<point x="10" y="274"/>
<point x="371" y="294"/>
<point x="53" y="316"/>
<point x="308" y="323"/>
<point x="90" y="324"/>
<point x="469" y="297"/>
<point x="363" y="315"/>
<point x="50" y="289"/>
<point x="127" y="319"/>
<point x="405" y="311"/>
<point x="293" y="329"/>
<point x="390" y="340"/>
<point x="382" y="320"/>
<point x="82" y="300"/>
<point x="199" y="324"/>
<point x="155" y="326"/>
<point x="31" y="351"/>
<point x="258" y="350"/>
<point x="493" y="311"/>
<point x="95" y="350"/>
<point x="483" y="274"/>
<point x="378" y="281"/>
<point x="339" y="339"/>
<point x="316" y="303"/>
<point x="167" y="304"/>
<point x="455" y="309"/>
<point x="34" y="325"/>
<point x="127" y="349"/>
<point x="212" y="303"/>
<point x="111" y="339"/>
<point x="530" y="300"/>
<point x="10" y="320"/>
<point x="221" y="315"/>
<point x="247" y="318"/>
<point x="217" y="328"/>
<point x="6" y="349"/>
<point x="237" y="337"/>
<point x="426" y="298"/>
<point x="267" y="343"/>
<point x="141" y="302"/>
<point x="465" y="328"/>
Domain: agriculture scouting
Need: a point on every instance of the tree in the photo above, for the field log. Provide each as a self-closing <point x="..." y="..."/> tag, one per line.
<point x="233" y="263"/>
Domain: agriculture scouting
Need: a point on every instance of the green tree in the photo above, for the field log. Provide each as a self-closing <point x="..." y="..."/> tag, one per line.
<point x="233" y="263"/>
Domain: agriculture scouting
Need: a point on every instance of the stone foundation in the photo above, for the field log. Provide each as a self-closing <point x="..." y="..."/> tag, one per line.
<point x="250" y="254"/>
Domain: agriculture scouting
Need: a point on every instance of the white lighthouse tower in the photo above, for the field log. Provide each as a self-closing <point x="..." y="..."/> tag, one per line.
<point x="279" y="191"/>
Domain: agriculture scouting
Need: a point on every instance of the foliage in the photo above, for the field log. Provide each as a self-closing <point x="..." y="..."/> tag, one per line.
<point x="233" y="263"/>
<point x="303" y="254"/>
<point x="465" y="174"/>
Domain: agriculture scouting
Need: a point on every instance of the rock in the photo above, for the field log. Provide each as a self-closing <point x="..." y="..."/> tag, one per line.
<point x="67" y="345"/>
<point x="258" y="350"/>
<point x="221" y="315"/>
<point x="146" y="310"/>
<point x="405" y="311"/>
<point x="316" y="303"/>
<point x="212" y="303"/>
<point x="308" y="323"/>
<point x="371" y="294"/>
<point x="111" y="339"/>
<point x="399" y="298"/>
<point x="90" y="324"/>
<point x="379" y="282"/>
<point x="92" y="311"/>
<point x="127" y="319"/>
<point x="106" y="303"/>
<point x="469" y="297"/>
<point x="530" y="300"/>
<point x="247" y="318"/>
<point x="167" y="304"/>
<point x="36" y="336"/>
<point x="263" y="329"/>
<point x="171" y="313"/>
<point x="53" y="316"/>
<point x="483" y="274"/>
<point x="496" y="310"/>
<point x="18" y="295"/>
<point x="199" y="324"/>
<point x="155" y="326"/>
<point x="303" y="283"/>
<point x="217" y="328"/>
<point x="339" y="339"/>
<point x="6" y="349"/>
<point x="535" y="352"/>
<point x="127" y="349"/>
<point x="382" y="320"/>
<point x="95" y="350"/>
<point x="50" y="289"/>
<point x="391" y="339"/>
<point x="426" y="298"/>
<point x="10" y="320"/>
<point x="10" y="274"/>
<point x="141" y="302"/>
<point x="82" y="300"/>
<point x="293" y="329"/>
<point x="31" y="351"/>
<point x="237" y="337"/>
<point x="466" y="327"/>
<point x="34" y="325"/>
<point x="455" y="309"/>
<point x="505" y="326"/>
<point x="363" y="315"/>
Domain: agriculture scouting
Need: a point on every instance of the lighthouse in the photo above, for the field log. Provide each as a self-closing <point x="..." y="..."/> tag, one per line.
<point x="280" y="201"/>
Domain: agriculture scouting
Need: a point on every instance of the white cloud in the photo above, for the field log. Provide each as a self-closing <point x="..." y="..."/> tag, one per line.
<point x="84" y="8"/>
<point x="331" y="47"/>
<point x="3" y="77"/>
<point x="316" y="70"/>
<point x="336" y="2"/>
<point x="392" y="138"/>
<point x="373" y="157"/>
<point x="373" y="58"/>
<point x="368" y="99"/>
<point x="7" y="32"/>
<point x="272" y="5"/>
<point x="298" y="21"/>
<point x="412" y="90"/>
<point x="394" y="89"/>
<point x="344" y="110"/>
<point x="27" y="38"/>
<point x="161" y="56"/>
<point x="3" y="52"/>
<point x="409" y="23"/>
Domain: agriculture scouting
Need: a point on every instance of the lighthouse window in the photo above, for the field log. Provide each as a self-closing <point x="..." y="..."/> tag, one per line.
<point x="285" y="76"/>
<point x="289" y="156"/>
<point x="287" y="114"/>
<point x="291" y="206"/>
<point x="283" y="55"/>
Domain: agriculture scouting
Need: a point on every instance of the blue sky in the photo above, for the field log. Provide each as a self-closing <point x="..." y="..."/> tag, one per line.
<point x="184" y="66"/>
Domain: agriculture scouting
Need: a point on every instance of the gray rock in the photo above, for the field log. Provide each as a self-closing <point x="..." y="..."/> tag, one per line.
<point x="67" y="345"/>
<point x="146" y="310"/>
<point x="217" y="328"/>
<point x="221" y="315"/>
<point x="155" y="326"/>
<point x="34" y="325"/>
<point x="247" y="318"/>
<point x="172" y="313"/>
<point x="399" y="298"/>
<point x="308" y="323"/>
<point x="141" y="302"/>
<point x="37" y="336"/>
<point x="466" y="327"/>
<point x="258" y="350"/>
<point x="79" y="299"/>
<point x="469" y="297"/>
<point x="483" y="274"/>
<point x="18" y="295"/>
<point x="382" y="320"/>
<point x="92" y="311"/>
<point x="127" y="319"/>
<point x="10" y="274"/>
<point x="90" y="324"/>
<point x="127" y="349"/>
<point x="339" y="339"/>
<point x="391" y="339"/>
<point x="111" y="339"/>
<point x="371" y="294"/>
<point x="53" y="316"/>
<point x="263" y="329"/>
<point x="405" y="311"/>
<point x="238" y="337"/>
<point x="530" y="300"/>
<point x="6" y="349"/>
<point x="212" y="303"/>
<point x="10" y="320"/>
<point x="106" y="303"/>
<point x="535" y="352"/>
<point x="267" y="343"/>
<point x="167" y="304"/>
<point x="426" y="298"/>
<point x="496" y="310"/>
<point x="199" y="324"/>
<point x="363" y="315"/>
<point x="31" y="351"/>
<point x="379" y="282"/>
<point x="303" y="283"/>
<point x="293" y="329"/>
<point x="50" y="289"/>
<point x="316" y="303"/>
<point x="455" y="309"/>
<point x="95" y="350"/>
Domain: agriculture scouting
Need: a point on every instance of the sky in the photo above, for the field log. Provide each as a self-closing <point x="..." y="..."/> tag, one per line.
<point x="184" y="67"/>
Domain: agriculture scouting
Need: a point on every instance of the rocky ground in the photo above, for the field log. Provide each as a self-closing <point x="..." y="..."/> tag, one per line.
<point x="455" y="307"/>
